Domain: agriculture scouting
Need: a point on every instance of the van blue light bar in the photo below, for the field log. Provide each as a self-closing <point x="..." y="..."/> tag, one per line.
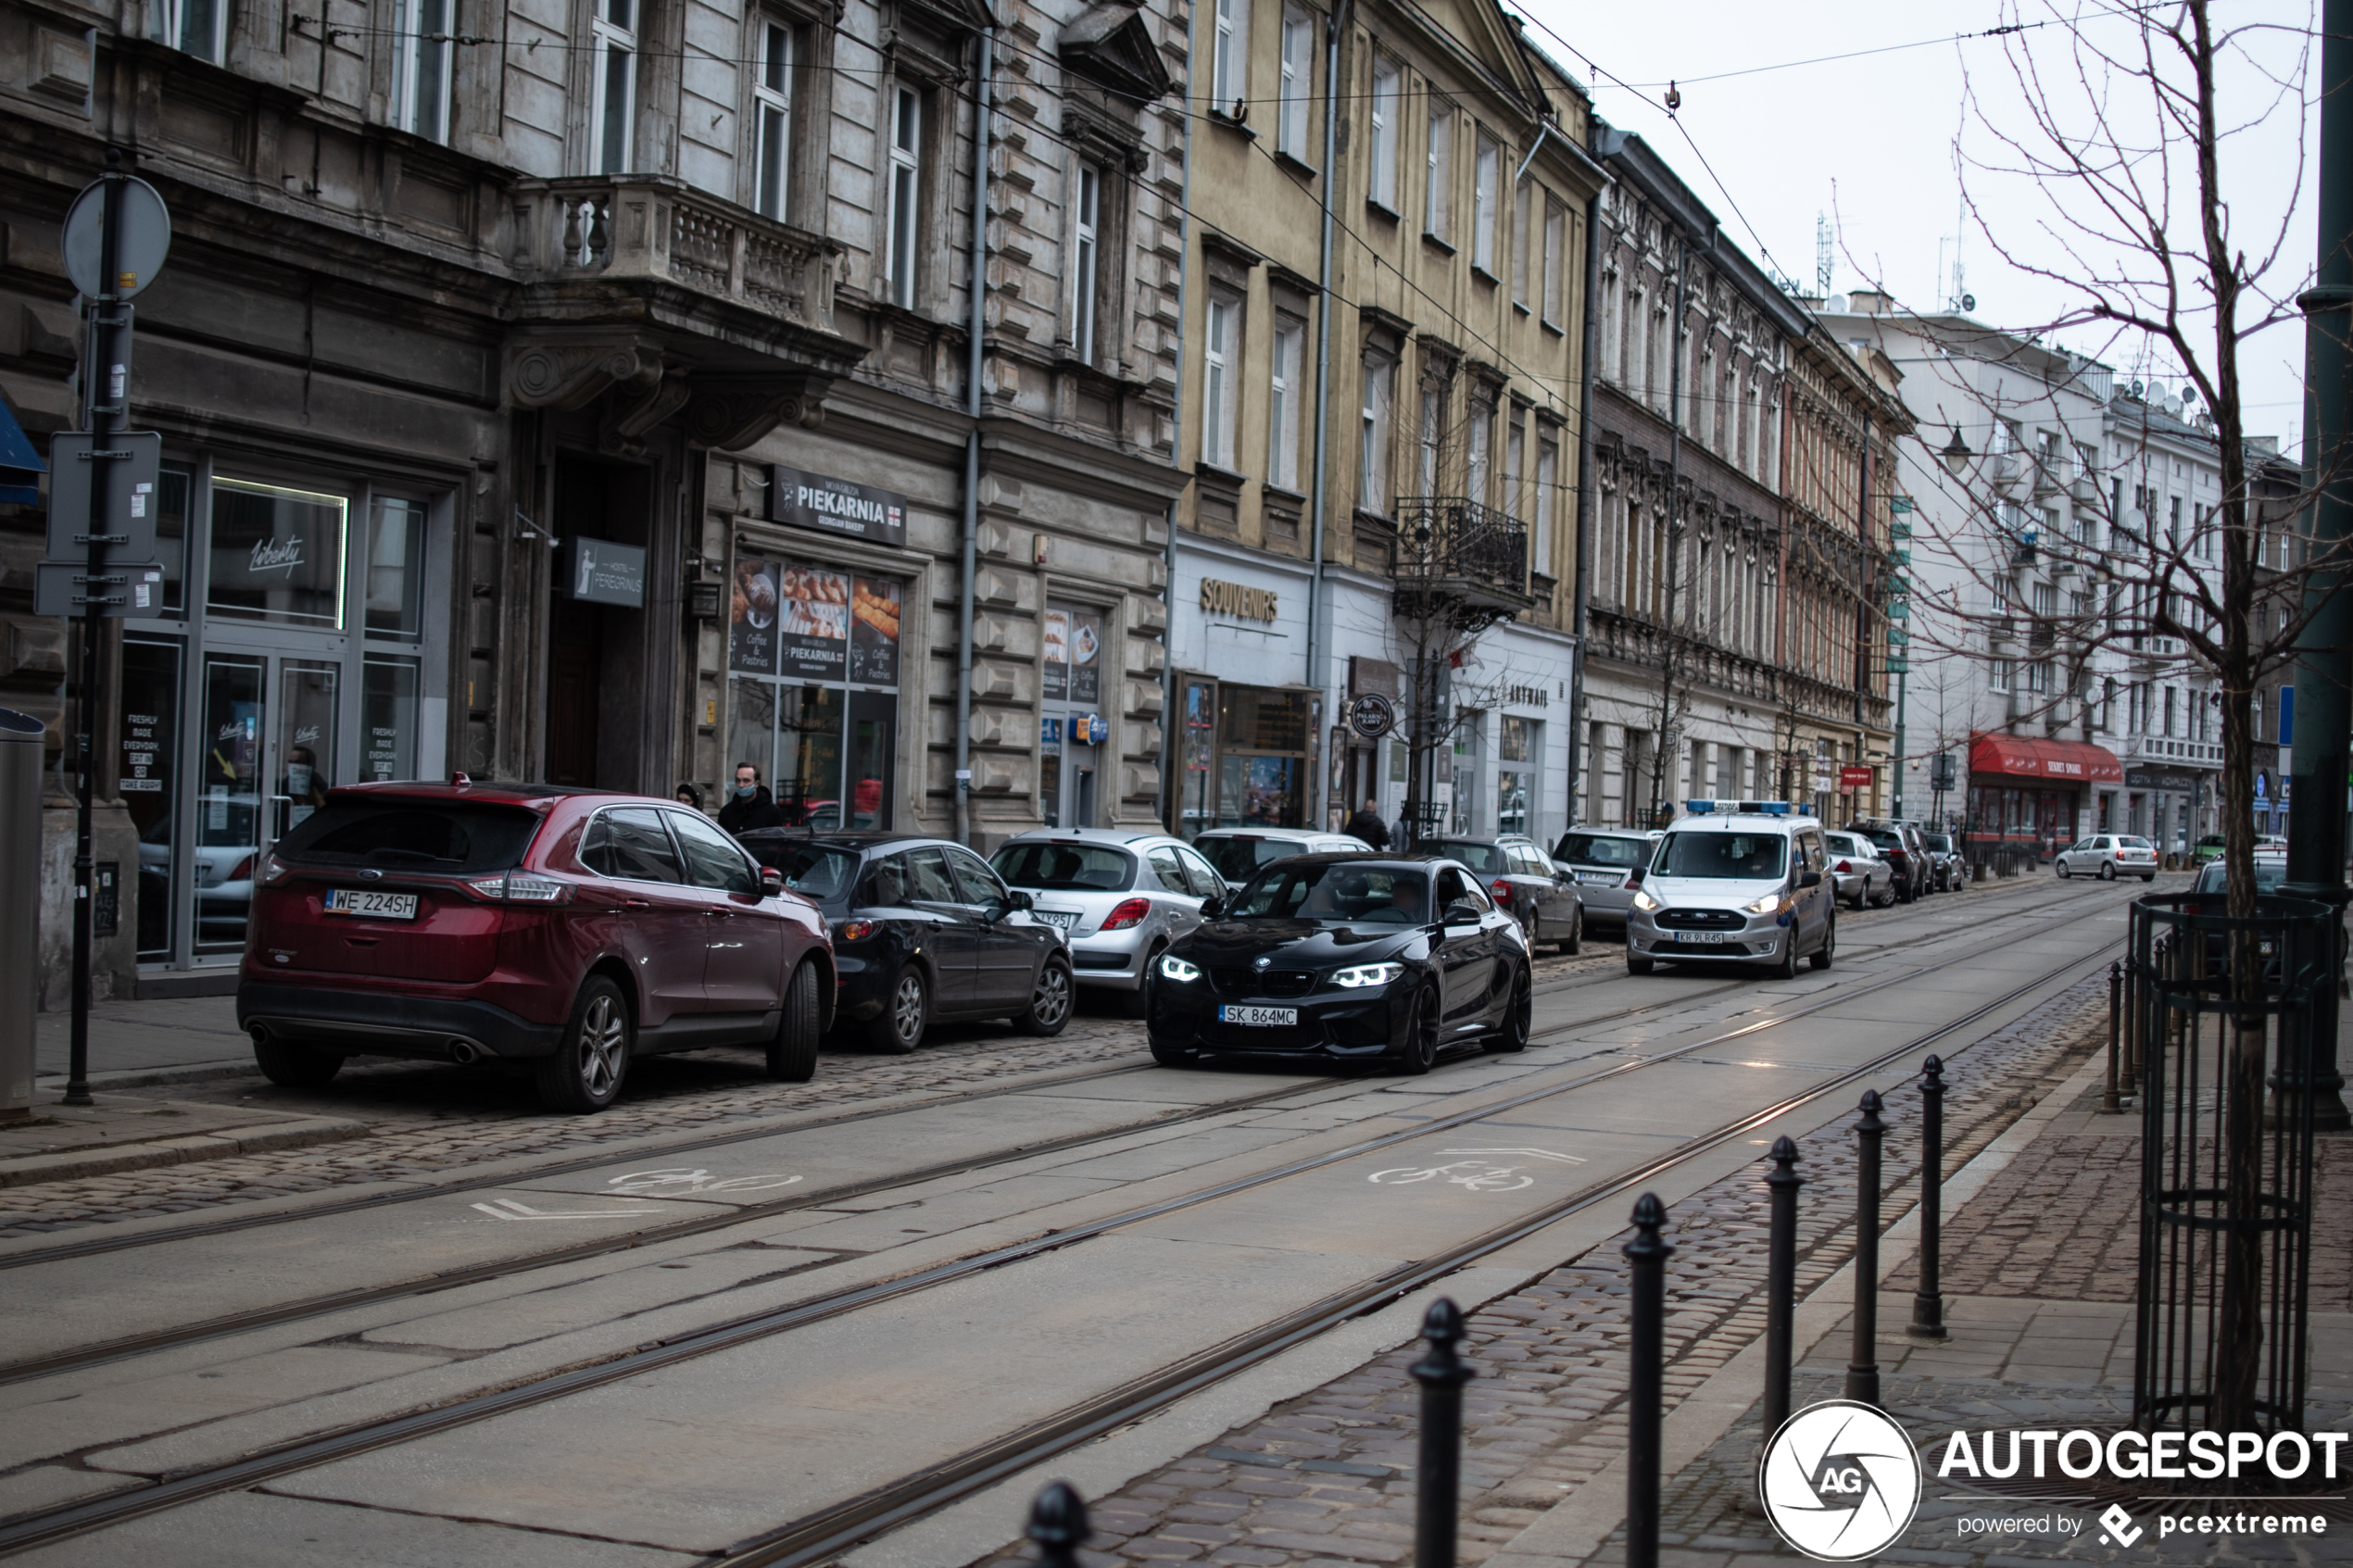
<point x="1775" y="808"/>
<point x="1699" y="808"/>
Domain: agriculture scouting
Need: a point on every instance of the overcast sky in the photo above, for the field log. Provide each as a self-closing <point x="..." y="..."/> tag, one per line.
<point x="1869" y="141"/>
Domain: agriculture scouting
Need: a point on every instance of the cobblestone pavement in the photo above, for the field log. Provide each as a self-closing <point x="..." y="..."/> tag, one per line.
<point x="1701" y="1523"/>
<point x="1324" y="1480"/>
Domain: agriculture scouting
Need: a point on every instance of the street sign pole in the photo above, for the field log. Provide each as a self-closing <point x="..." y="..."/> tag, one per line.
<point x="104" y="394"/>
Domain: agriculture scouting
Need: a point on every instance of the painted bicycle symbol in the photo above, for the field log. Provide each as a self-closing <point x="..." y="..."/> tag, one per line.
<point x="678" y="1182"/>
<point x="1473" y="1173"/>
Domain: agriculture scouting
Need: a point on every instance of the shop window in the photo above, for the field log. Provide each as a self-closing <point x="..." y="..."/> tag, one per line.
<point x="1073" y="640"/>
<point x="1516" y="754"/>
<point x="149" y="764"/>
<point x="276" y="555"/>
<point x="388" y="690"/>
<point x="396" y="580"/>
<point x="813" y="704"/>
<point x="174" y="487"/>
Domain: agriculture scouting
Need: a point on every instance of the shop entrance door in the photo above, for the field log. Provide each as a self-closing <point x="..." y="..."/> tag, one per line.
<point x="1067" y="766"/>
<point x="269" y="739"/>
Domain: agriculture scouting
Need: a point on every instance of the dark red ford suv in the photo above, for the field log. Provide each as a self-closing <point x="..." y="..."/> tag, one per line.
<point x="568" y="929"/>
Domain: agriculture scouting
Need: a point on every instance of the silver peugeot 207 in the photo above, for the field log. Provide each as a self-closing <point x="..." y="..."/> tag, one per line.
<point x="1120" y="897"/>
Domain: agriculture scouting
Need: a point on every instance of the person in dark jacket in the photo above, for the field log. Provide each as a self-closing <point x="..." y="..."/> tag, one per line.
<point x="751" y="806"/>
<point x="1367" y="825"/>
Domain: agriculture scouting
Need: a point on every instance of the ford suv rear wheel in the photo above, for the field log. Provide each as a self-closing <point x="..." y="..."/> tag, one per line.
<point x="585" y="1072"/>
<point x="295" y="1067"/>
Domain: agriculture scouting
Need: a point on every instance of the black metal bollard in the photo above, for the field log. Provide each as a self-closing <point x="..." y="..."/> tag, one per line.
<point x="1928" y="1300"/>
<point x="1781" y="1282"/>
<point x="1862" y="1366"/>
<point x="2110" y="1104"/>
<point x="1058" y="1524"/>
<point x="1437" y="1475"/>
<point x="1647" y="1253"/>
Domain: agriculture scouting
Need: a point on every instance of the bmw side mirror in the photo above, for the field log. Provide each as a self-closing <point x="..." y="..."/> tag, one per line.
<point x="1212" y="908"/>
<point x="1463" y="913"/>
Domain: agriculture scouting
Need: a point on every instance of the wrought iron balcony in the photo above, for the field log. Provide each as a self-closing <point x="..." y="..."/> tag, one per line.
<point x="1452" y="548"/>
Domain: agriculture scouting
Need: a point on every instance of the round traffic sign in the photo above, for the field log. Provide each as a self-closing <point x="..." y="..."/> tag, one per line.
<point x="139" y="249"/>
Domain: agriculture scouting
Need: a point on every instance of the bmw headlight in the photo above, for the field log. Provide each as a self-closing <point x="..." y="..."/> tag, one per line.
<point x="1369" y="974"/>
<point x="1771" y="903"/>
<point x="1174" y="968"/>
<point x="1644" y="901"/>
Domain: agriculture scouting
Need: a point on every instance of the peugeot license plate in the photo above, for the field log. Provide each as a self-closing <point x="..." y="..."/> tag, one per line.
<point x="1710" y="939"/>
<point x="1063" y="918"/>
<point x="1604" y="879"/>
<point x="1264" y="1018"/>
<point x="369" y="904"/>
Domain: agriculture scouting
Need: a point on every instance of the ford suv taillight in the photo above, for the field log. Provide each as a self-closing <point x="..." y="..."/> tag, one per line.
<point x="269" y="871"/>
<point x="520" y="887"/>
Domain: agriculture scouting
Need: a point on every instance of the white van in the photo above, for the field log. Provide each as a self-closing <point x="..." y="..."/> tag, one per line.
<point x="1738" y="882"/>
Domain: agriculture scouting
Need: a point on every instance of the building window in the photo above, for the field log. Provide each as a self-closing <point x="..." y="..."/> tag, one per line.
<point x="1382" y="187"/>
<point x="421" y="68"/>
<point x="771" y="106"/>
<point x="1523" y="201"/>
<point x="2045" y="600"/>
<point x="1514" y="464"/>
<point x="1086" y="271"/>
<point x="1283" y="393"/>
<point x="1548" y="464"/>
<point x="1229" y="57"/>
<point x="1299" y="69"/>
<point x="613" y="67"/>
<point x="906" y="189"/>
<point x="1217" y="381"/>
<point x="194" y="27"/>
<point x="1433" y="410"/>
<point x="1437" y="201"/>
<point x="1555" y="259"/>
<point x="1483" y="439"/>
<point x="1997" y="674"/>
<point x="1380" y="388"/>
<point x="1484" y="194"/>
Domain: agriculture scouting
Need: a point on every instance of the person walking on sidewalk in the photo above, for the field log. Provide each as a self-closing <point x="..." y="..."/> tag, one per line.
<point x="1367" y="825"/>
<point x="751" y="806"/>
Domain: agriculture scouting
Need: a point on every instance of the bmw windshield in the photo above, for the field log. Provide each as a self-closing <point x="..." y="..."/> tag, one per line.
<point x="1335" y="895"/>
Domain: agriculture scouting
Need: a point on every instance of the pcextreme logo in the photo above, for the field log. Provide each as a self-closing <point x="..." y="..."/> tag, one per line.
<point x="1840" y="1481"/>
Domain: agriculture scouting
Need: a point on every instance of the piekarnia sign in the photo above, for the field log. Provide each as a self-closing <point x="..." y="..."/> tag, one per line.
<point x="811" y="500"/>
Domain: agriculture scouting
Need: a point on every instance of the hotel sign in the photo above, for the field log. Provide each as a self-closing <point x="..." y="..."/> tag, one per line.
<point x="1232" y="598"/>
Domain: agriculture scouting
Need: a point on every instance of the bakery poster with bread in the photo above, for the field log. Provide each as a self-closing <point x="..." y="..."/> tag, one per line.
<point x="753" y="602"/>
<point x="813" y="622"/>
<point x="873" y="632"/>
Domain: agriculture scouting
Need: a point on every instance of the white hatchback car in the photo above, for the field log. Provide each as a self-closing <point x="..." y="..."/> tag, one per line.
<point x="2108" y="856"/>
<point x="1119" y="897"/>
<point x="1238" y="852"/>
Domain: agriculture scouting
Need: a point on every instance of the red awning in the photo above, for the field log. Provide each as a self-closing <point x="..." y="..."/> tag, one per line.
<point x="2053" y="762"/>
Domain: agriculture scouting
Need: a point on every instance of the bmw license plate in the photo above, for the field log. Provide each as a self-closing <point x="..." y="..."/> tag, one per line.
<point x="1264" y="1018"/>
<point x="369" y="904"/>
<point x="1708" y="938"/>
<point x="1063" y="919"/>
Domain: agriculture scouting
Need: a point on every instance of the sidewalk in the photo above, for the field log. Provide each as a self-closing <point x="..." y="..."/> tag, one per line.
<point x="151" y="1042"/>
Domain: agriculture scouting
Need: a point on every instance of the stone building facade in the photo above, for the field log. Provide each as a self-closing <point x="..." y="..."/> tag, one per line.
<point x="606" y="367"/>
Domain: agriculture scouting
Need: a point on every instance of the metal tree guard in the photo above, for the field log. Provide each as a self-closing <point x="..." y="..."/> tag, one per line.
<point x="2221" y="1009"/>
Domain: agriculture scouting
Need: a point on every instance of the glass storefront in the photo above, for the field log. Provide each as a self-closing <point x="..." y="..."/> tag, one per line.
<point x="1517" y="748"/>
<point x="813" y="689"/>
<point x="295" y="644"/>
<point x="1250" y="756"/>
<point x="1069" y="759"/>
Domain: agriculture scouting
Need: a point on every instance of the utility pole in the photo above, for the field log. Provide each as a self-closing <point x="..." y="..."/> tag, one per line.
<point x="2324" y="673"/>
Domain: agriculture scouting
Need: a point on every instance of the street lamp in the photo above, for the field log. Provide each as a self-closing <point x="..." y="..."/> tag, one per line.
<point x="1956" y="454"/>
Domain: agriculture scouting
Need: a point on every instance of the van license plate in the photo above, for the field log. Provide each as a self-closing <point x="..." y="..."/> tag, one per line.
<point x="372" y="905"/>
<point x="1264" y="1018"/>
<point x="1707" y="938"/>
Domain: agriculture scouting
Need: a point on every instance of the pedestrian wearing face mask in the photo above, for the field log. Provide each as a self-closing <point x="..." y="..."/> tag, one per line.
<point x="750" y="805"/>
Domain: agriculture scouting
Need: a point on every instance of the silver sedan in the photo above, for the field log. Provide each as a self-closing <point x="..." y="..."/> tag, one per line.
<point x="1864" y="878"/>
<point x="1119" y="897"/>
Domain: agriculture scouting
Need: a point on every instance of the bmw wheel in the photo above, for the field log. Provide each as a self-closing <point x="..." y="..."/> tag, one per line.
<point x="1512" y="1035"/>
<point x="906" y="1014"/>
<point x="585" y="1071"/>
<point x="1049" y="1008"/>
<point x="1421" y="1034"/>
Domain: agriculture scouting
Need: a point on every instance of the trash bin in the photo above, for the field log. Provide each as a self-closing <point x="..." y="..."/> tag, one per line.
<point x="20" y="737"/>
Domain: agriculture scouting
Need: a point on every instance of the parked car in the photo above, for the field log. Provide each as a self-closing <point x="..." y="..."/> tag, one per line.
<point x="1524" y="882"/>
<point x="1949" y="867"/>
<point x="570" y="930"/>
<point x="1359" y="958"/>
<point x="2207" y="848"/>
<point x="1862" y="877"/>
<point x="2108" y="856"/>
<point x="1119" y="898"/>
<point x="1898" y="844"/>
<point x="2207" y="897"/>
<point x="923" y="931"/>
<point x="1747" y="887"/>
<point x="1239" y="853"/>
<point x="1608" y="865"/>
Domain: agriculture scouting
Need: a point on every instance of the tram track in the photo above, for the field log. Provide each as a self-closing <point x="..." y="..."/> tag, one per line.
<point x="815" y="1537"/>
<point x="282" y="1314"/>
